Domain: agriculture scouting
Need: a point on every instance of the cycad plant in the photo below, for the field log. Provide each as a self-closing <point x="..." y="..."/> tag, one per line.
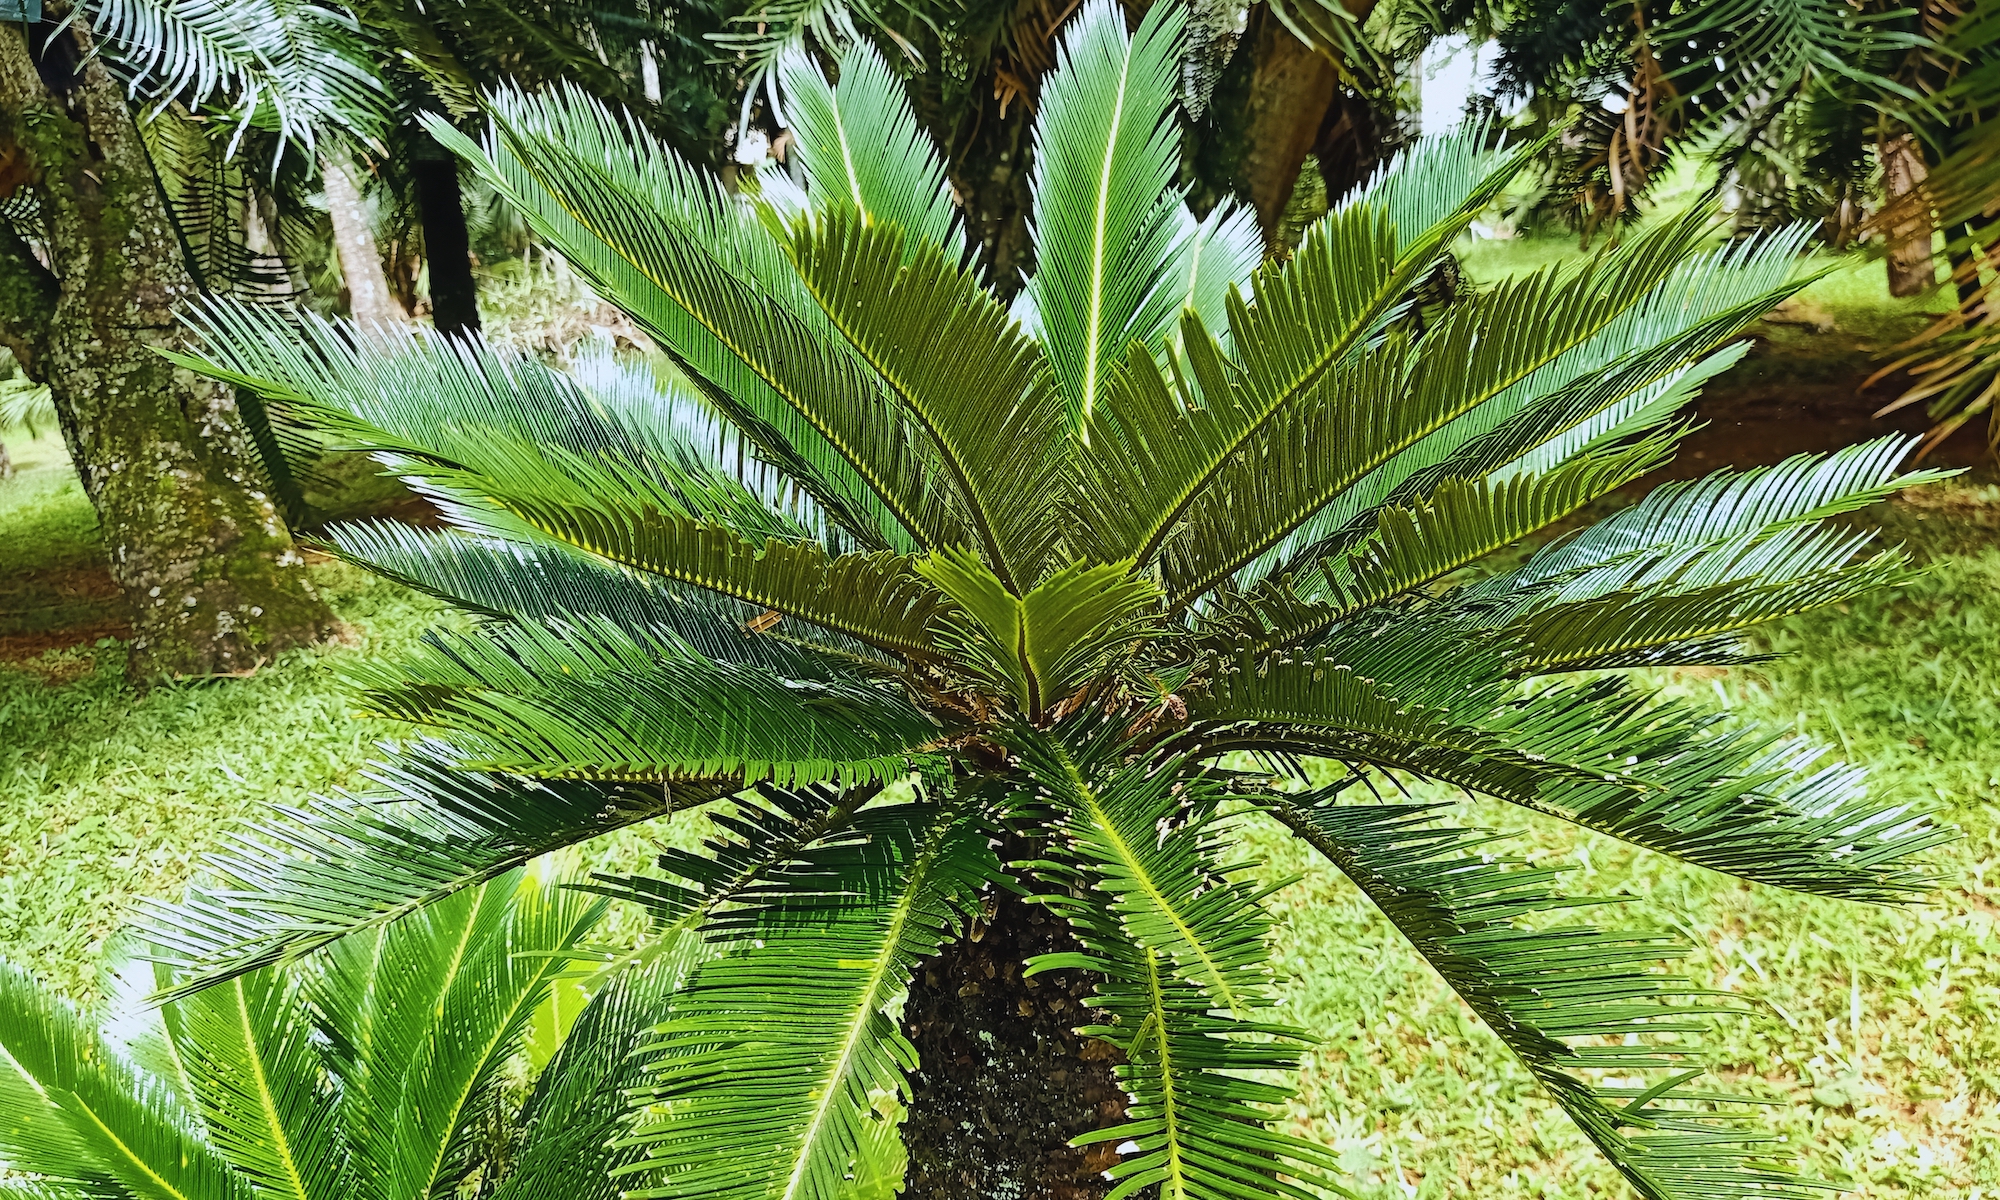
<point x="963" y="605"/>
<point x="385" y="1070"/>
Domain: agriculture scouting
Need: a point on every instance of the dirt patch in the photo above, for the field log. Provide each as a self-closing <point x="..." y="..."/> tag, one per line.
<point x="1788" y="398"/>
<point x="58" y="608"/>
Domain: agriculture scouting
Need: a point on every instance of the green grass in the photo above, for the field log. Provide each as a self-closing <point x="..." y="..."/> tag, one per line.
<point x="1878" y="1026"/>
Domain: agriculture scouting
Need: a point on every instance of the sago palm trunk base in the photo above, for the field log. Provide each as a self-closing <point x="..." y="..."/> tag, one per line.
<point x="1006" y="1082"/>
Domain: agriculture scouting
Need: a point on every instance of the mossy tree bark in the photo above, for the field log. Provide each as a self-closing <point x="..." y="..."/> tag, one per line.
<point x="207" y="566"/>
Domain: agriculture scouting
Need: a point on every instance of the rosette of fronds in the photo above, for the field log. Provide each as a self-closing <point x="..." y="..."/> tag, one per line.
<point x="900" y="568"/>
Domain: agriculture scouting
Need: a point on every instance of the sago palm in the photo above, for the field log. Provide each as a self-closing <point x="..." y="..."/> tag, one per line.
<point x="380" y="1071"/>
<point x="963" y="604"/>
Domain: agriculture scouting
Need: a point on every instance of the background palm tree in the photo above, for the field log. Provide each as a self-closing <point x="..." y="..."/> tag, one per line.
<point x="381" y="1070"/>
<point x="997" y="625"/>
<point x="1955" y="363"/>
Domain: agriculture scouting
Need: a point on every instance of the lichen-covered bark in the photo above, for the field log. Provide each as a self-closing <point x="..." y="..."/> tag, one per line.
<point x="369" y="300"/>
<point x="1005" y="1080"/>
<point x="206" y="564"/>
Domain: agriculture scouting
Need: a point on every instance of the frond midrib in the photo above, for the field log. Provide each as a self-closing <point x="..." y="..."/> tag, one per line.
<point x="858" y="462"/>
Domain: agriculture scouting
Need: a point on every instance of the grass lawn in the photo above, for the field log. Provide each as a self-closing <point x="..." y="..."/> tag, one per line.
<point x="1879" y="1026"/>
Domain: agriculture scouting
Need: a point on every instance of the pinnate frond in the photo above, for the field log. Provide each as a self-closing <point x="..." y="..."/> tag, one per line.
<point x="767" y="1069"/>
<point x="1179" y="943"/>
<point x="297" y="879"/>
<point x="711" y="284"/>
<point x="268" y="1106"/>
<point x="1106" y="217"/>
<point x="79" y="1114"/>
<point x="1602" y="754"/>
<point x="588" y="700"/>
<point x="862" y="150"/>
<point x="979" y="388"/>
<point x="1568" y="1000"/>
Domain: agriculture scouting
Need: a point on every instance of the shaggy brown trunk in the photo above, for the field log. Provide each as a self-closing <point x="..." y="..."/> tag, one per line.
<point x="1006" y="1082"/>
<point x="206" y="565"/>
<point x="447" y="244"/>
<point x="1912" y="267"/>
<point x="369" y="300"/>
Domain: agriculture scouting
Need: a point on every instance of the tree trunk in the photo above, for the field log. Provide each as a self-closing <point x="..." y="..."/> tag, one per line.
<point x="6" y="463"/>
<point x="1912" y="267"/>
<point x="369" y="300"/>
<point x="1005" y="1080"/>
<point x="1278" y="102"/>
<point x="206" y="565"/>
<point x="447" y="245"/>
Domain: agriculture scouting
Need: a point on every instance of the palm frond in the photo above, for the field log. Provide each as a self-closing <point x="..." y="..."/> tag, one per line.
<point x="1106" y="214"/>
<point x="645" y="485"/>
<point x="763" y="830"/>
<point x="769" y="1066"/>
<point x="256" y="1077"/>
<point x="440" y="1067"/>
<point x="1215" y="257"/>
<point x="1180" y="944"/>
<point x="1601" y="754"/>
<point x="861" y="148"/>
<point x="1164" y="444"/>
<point x="585" y="699"/>
<point x="1769" y="48"/>
<point x="710" y="282"/>
<point x="301" y="69"/>
<point x="1558" y="354"/>
<point x="297" y="879"/>
<point x="1462" y="522"/>
<point x="577" y="1108"/>
<point x="79" y="1114"/>
<point x="540" y="583"/>
<point x="1569" y="1000"/>
<point x="410" y="393"/>
<point x="775" y="30"/>
<point x="980" y="389"/>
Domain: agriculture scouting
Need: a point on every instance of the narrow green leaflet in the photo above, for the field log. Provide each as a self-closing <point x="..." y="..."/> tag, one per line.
<point x="770" y="1070"/>
<point x="1572" y="1002"/>
<point x="269" y="1107"/>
